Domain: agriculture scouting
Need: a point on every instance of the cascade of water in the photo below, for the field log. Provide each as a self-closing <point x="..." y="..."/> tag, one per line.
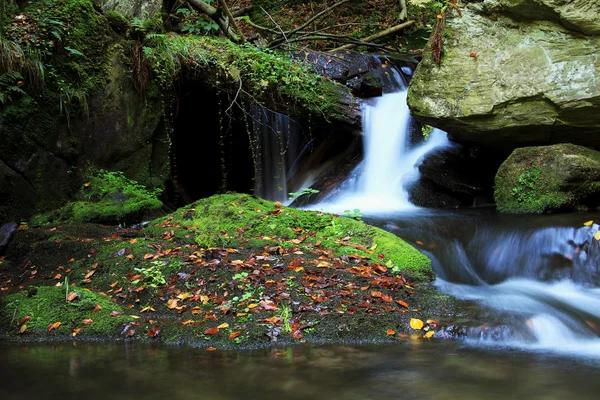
<point x="540" y="285"/>
<point x="381" y="181"/>
<point x="277" y="144"/>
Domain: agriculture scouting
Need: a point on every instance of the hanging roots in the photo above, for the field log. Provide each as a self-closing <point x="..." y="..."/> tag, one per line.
<point x="140" y="68"/>
<point x="437" y="45"/>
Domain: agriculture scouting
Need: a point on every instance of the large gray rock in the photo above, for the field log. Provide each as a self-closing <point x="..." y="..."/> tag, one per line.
<point x="548" y="178"/>
<point x="515" y="72"/>
<point x="142" y="9"/>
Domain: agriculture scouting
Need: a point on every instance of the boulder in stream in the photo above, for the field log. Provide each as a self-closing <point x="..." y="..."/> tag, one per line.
<point x="515" y="73"/>
<point x="548" y="178"/>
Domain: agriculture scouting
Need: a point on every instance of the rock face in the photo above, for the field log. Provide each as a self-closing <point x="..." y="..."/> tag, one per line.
<point x="142" y="9"/>
<point x="514" y="73"/>
<point x="548" y="178"/>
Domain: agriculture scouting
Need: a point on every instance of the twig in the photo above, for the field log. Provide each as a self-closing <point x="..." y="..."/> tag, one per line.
<point x="276" y="24"/>
<point x="235" y="98"/>
<point x="239" y="12"/>
<point x="231" y="20"/>
<point x="319" y="15"/>
<point x="260" y="28"/>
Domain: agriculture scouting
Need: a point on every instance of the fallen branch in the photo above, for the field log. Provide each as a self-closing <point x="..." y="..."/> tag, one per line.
<point x="231" y="20"/>
<point x="379" y="35"/>
<point x="240" y="12"/>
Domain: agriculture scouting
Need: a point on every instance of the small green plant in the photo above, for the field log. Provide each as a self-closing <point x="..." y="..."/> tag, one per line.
<point x="195" y="23"/>
<point x="285" y="313"/>
<point x="524" y="191"/>
<point x="302" y="192"/>
<point x="354" y="214"/>
<point x="426" y="131"/>
<point x="151" y="276"/>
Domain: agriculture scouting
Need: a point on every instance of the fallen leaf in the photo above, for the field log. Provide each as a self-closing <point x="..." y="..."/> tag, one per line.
<point x="115" y="283"/>
<point x="429" y="334"/>
<point x="233" y="335"/>
<point x="211" y="331"/>
<point x="188" y="322"/>
<point x="597" y="235"/>
<point x="588" y="223"/>
<point x="72" y="296"/>
<point x="97" y="308"/>
<point x="76" y="331"/>
<point x="390" y="332"/>
<point x="416" y="323"/>
<point x="89" y="274"/>
<point x="147" y="308"/>
<point x="23" y="328"/>
<point x="24" y="319"/>
<point x="88" y="321"/>
<point x="130" y="333"/>
<point x="224" y="325"/>
<point x="154" y="332"/>
<point x="211" y="349"/>
<point x="323" y="264"/>
<point x="53" y="326"/>
<point x="402" y="303"/>
<point x="115" y="313"/>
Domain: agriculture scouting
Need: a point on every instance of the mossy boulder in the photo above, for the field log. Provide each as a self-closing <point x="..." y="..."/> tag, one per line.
<point x="108" y="197"/>
<point x="242" y="220"/>
<point x="548" y="178"/>
<point x="515" y="73"/>
<point x="142" y="9"/>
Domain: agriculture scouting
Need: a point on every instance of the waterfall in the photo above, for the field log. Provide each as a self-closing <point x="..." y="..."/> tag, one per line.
<point x="277" y="141"/>
<point x="380" y="183"/>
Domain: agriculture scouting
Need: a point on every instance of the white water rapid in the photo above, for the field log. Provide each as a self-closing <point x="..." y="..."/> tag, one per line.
<point x="380" y="183"/>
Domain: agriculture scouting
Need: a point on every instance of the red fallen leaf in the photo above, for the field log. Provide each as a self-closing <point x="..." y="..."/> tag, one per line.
<point x="233" y="335"/>
<point x="154" y="332"/>
<point x="381" y="256"/>
<point x="53" y="326"/>
<point x="72" y="296"/>
<point x="387" y="308"/>
<point x="148" y="256"/>
<point x="386" y="298"/>
<point x="88" y="321"/>
<point x="473" y="55"/>
<point x="24" y="319"/>
<point x="130" y="333"/>
<point x="133" y="278"/>
<point x="402" y="303"/>
<point x="211" y="331"/>
<point x="97" y="308"/>
<point x="115" y="313"/>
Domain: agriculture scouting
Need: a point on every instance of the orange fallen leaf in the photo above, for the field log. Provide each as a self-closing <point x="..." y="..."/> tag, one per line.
<point x="72" y="296"/>
<point x="147" y="308"/>
<point x="88" y="321"/>
<point x="402" y="303"/>
<point x="390" y="332"/>
<point x="115" y="283"/>
<point x="211" y="348"/>
<point x="115" y="313"/>
<point x="154" y="332"/>
<point x="76" y="331"/>
<point x="211" y="331"/>
<point x="97" y="308"/>
<point x="233" y="335"/>
<point x="53" y="326"/>
<point x="188" y="322"/>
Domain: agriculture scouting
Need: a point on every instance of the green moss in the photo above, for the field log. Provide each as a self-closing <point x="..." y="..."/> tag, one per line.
<point x="47" y="305"/>
<point x="267" y="74"/>
<point x="548" y="178"/>
<point x="108" y="197"/>
<point x="235" y="220"/>
<point x="117" y="21"/>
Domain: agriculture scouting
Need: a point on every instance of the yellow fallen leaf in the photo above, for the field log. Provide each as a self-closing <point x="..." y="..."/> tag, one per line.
<point x="184" y="296"/>
<point x="588" y="223"/>
<point x="416" y="323"/>
<point x="300" y="269"/>
<point x="224" y="325"/>
<point x="23" y="328"/>
<point x="429" y="334"/>
<point x="323" y="264"/>
<point x="373" y="247"/>
<point x="597" y="235"/>
<point x="253" y="305"/>
<point x="172" y="303"/>
<point x="89" y="274"/>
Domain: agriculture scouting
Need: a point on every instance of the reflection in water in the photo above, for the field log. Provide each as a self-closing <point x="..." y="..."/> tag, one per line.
<point x="423" y="370"/>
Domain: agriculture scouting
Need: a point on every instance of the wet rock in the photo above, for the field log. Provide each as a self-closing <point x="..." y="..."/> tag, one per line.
<point x="515" y="73"/>
<point x="548" y="178"/>
<point x="6" y="233"/>
<point x="141" y="9"/>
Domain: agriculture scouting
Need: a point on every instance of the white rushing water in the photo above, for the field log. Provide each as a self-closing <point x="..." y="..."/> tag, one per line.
<point x="380" y="183"/>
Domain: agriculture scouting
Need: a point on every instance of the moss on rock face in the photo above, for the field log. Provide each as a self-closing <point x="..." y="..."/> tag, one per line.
<point x="548" y="178"/>
<point x="235" y="220"/>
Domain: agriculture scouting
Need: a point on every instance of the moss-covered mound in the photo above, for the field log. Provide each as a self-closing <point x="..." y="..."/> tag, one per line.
<point x="228" y="271"/>
<point x="548" y="178"/>
<point x="108" y="197"/>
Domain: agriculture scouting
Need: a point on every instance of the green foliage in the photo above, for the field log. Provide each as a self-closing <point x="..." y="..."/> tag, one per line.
<point x="302" y="192"/>
<point x="108" y="197"/>
<point x="355" y="214"/>
<point x="525" y="189"/>
<point x="196" y="23"/>
<point x="426" y="131"/>
<point x="151" y="276"/>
